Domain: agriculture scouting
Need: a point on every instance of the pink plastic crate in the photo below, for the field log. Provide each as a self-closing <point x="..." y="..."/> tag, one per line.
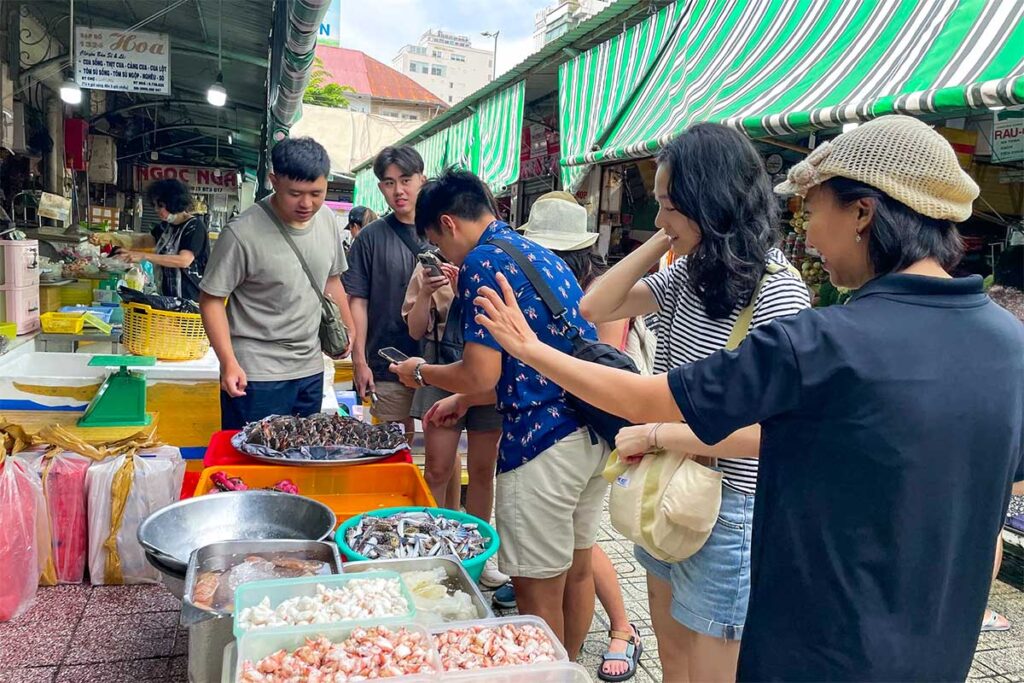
<point x="19" y="263"/>
<point x="20" y="305"/>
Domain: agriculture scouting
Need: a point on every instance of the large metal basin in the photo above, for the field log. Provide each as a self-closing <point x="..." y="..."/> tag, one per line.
<point x="172" y="533"/>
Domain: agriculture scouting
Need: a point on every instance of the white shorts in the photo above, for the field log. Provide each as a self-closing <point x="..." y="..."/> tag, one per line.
<point x="550" y="507"/>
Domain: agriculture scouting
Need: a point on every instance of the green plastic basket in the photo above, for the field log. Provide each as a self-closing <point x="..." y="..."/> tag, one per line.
<point x="474" y="566"/>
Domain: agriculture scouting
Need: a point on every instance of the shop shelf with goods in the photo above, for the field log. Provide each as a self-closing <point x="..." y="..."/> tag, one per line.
<point x="347" y="490"/>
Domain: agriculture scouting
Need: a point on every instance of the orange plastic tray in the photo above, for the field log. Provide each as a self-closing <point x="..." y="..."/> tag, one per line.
<point x="347" y="490"/>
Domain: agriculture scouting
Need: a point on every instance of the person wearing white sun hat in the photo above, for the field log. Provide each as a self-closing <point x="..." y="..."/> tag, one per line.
<point x="558" y="222"/>
<point x="889" y="430"/>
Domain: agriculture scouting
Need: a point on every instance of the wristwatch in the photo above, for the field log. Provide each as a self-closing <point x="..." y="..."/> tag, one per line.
<point x="417" y="373"/>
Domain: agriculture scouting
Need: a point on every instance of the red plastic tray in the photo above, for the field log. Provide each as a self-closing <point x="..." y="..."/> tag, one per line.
<point x="221" y="452"/>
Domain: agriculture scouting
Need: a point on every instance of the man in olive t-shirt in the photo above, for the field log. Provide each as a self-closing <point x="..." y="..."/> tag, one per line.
<point x="267" y="339"/>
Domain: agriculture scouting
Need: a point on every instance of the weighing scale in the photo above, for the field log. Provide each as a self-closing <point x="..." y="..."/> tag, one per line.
<point x="121" y="400"/>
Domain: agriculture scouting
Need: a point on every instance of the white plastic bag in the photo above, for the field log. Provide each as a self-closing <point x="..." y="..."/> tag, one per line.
<point x="153" y="480"/>
<point x="24" y="535"/>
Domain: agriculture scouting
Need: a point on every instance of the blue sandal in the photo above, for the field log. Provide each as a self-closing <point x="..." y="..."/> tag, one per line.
<point x="634" y="649"/>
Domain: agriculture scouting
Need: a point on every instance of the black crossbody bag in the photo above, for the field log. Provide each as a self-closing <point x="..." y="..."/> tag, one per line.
<point x="602" y="423"/>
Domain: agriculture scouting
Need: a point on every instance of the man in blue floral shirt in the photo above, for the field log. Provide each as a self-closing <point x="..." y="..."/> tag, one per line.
<point x="549" y="490"/>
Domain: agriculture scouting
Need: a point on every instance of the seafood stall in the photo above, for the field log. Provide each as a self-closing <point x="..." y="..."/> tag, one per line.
<point x="271" y="587"/>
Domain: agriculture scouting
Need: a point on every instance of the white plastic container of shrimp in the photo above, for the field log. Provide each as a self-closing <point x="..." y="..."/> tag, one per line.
<point x="251" y="594"/>
<point x="555" y="672"/>
<point x="524" y="670"/>
<point x="255" y="645"/>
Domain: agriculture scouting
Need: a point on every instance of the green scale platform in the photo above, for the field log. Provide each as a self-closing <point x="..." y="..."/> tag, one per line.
<point x="121" y="400"/>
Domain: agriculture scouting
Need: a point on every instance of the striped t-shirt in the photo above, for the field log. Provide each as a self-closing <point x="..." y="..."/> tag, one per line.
<point x="686" y="334"/>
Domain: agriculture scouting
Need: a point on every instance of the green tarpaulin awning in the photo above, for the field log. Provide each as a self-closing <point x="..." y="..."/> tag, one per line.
<point x="779" y="67"/>
<point x="487" y="142"/>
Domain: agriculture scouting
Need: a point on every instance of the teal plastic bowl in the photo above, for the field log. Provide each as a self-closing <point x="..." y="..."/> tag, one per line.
<point x="474" y="566"/>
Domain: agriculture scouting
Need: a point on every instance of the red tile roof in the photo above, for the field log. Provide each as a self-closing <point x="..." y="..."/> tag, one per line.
<point x="367" y="76"/>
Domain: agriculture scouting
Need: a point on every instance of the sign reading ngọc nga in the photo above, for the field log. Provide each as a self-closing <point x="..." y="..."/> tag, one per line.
<point x="126" y="61"/>
<point x="200" y="179"/>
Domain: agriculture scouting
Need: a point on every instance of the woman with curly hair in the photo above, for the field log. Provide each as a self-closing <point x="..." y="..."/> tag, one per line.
<point x="180" y="243"/>
<point x="718" y="215"/>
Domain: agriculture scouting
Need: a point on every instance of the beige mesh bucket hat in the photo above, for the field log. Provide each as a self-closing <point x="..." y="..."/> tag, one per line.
<point x="899" y="155"/>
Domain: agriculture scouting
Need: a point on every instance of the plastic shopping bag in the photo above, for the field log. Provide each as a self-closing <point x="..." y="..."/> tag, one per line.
<point x="122" y="492"/>
<point x="62" y="474"/>
<point x="24" y="535"/>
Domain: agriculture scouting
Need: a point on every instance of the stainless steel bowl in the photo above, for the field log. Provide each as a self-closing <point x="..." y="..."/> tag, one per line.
<point x="172" y="533"/>
<point x="174" y="581"/>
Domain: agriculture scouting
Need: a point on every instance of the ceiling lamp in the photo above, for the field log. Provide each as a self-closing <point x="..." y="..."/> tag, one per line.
<point x="217" y="95"/>
<point x="70" y="92"/>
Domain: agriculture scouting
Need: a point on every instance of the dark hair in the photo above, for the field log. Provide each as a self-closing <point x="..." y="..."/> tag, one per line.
<point x="719" y="182"/>
<point x="406" y="158"/>
<point x="302" y="159"/>
<point x="900" y="236"/>
<point x="585" y="264"/>
<point x="361" y="216"/>
<point x="455" y="192"/>
<point x="169" y="193"/>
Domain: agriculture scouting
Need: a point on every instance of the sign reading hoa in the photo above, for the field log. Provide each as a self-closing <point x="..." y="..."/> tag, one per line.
<point x="126" y="61"/>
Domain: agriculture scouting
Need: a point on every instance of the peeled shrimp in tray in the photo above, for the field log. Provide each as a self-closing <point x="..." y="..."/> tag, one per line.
<point x="367" y="653"/>
<point x="491" y="643"/>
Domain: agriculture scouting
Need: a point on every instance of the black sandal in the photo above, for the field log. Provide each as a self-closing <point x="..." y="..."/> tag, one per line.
<point x="634" y="649"/>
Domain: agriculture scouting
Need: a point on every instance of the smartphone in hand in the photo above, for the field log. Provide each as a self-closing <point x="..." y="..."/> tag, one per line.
<point x="431" y="263"/>
<point x="392" y="355"/>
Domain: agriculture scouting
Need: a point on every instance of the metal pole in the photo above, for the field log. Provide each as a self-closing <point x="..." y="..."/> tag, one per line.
<point x="494" y="57"/>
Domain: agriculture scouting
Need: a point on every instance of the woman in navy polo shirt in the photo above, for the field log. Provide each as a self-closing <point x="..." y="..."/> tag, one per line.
<point x="890" y="428"/>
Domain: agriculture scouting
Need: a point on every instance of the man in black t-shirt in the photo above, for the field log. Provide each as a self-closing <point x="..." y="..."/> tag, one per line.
<point x="381" y="263"/>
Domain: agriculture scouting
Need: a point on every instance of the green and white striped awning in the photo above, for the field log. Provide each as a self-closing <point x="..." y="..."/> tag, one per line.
<point x="779" y="67"/>
<point x="487" y="142"/>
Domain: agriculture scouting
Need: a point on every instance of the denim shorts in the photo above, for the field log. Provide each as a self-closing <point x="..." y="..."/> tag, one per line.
<point x="710" y="589"/>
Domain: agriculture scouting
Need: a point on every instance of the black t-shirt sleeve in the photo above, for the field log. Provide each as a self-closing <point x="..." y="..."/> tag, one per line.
<point x="730" y="390"/>
<point x="193" y="236"/>
<point x="357" y="278"/>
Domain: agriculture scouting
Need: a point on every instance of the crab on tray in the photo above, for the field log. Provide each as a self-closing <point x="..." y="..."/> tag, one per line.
<point x="321" y="439"/>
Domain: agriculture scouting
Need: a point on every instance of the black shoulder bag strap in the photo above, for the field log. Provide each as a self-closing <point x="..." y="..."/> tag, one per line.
<point x="412" y="245"/>
<point x="544" y="291"/>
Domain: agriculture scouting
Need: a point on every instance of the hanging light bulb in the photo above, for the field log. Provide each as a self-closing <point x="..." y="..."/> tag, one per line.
<point x="231" y="138"/>
<point x="70" y="92"/>
<point x="217" y="95"/>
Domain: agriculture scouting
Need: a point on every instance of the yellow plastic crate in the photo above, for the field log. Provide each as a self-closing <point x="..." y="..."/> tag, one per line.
<point x="78" y="293"/>
<point x="62" y="323"/>
<point x="9" y="330"/>
<point x="162" y="334"/>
